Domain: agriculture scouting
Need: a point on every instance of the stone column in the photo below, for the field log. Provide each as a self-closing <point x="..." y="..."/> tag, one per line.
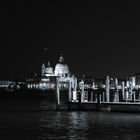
<point x="57" y="91"/>
<point x="75" y="90"/>
<point x="70" y="91"/>
<point x="123" y="90"/>
<point x="107" y="89"/>
<point x="116" y="91"/>
<point x="82" y="91"/>
<point x="91" y="96"/>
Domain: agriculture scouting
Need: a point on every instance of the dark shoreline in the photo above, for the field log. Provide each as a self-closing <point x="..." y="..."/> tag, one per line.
<point x="40" y="104"/>
<point x="36" y="100"/>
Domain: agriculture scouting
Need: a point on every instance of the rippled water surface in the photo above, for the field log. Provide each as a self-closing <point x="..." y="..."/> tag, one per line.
<point x="89" y="125"/>
<point x="27" y="124"/>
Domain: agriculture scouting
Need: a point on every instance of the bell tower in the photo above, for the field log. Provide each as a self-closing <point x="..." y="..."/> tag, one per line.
<point x="43" y="70"/>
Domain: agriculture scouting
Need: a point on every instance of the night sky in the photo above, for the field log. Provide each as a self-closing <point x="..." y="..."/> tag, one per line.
<point x="96" y="39"/>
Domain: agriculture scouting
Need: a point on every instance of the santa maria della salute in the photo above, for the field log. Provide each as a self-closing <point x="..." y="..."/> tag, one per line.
<point x="67" y="88"/>
<point x="49" y="75"/>
<point x="86" y="89"/>
<point x="61" y="69"/>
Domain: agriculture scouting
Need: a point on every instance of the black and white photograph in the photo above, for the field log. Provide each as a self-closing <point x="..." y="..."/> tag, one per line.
<point x="69" y="70"/>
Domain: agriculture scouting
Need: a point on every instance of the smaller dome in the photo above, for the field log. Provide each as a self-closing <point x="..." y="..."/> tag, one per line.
<point x="48" y="69"/>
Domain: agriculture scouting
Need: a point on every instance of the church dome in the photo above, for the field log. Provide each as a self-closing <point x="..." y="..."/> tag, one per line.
<point x="48" y="69"/>
<point x="61" y="68"/>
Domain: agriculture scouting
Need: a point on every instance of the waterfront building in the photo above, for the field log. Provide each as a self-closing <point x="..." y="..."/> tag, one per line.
<point x="86" y="89"/>
<point x="60" y="76"/>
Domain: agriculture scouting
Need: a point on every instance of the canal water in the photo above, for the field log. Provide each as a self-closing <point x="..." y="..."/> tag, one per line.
<point x="32" y="124"/>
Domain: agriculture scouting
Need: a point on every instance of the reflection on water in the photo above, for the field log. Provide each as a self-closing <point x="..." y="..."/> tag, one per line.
<point x="64" y="125"/>
<point x="89" y="125"/>
<point x="22" y="120"/>
<point x="78" y="127"/>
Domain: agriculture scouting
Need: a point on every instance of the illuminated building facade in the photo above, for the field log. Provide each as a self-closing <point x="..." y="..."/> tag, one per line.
<point x="60" y="75"/>
<point x="85" y="89"/>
